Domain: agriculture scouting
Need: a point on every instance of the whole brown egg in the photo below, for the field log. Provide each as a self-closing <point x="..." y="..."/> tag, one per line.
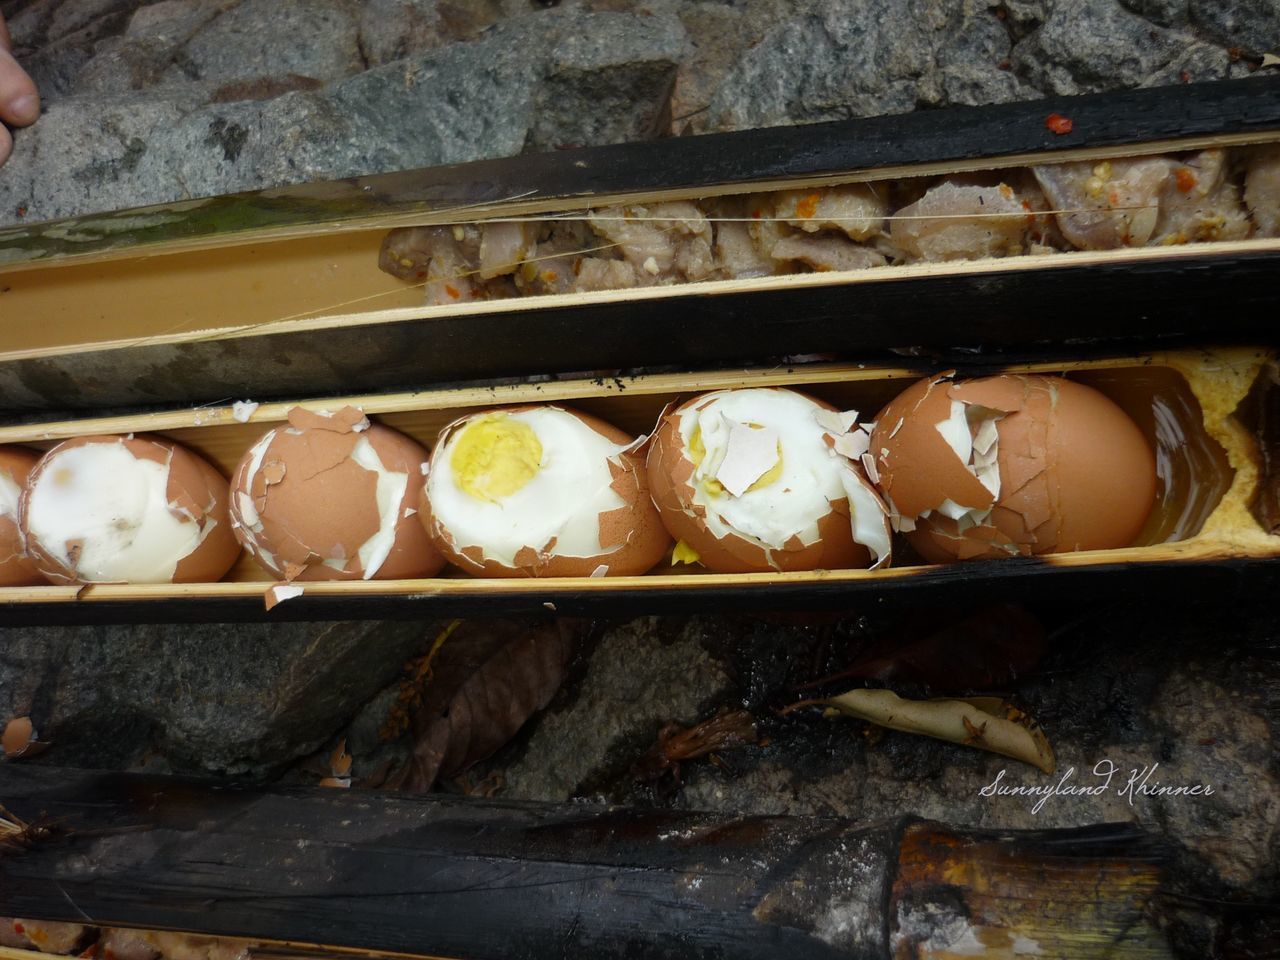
<point x="1012" y="465"/>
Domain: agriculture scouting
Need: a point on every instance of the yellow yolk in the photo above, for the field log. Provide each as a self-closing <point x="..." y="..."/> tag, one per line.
<point x="698" y="453"/>
<point x="683" y="553"/>
<point x="495" y="456"/>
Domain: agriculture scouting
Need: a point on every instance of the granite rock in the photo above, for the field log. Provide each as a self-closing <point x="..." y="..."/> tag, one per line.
<point x="1098" y="45"/>
<point x="526" y="81"/>
<point x="209" y="698"/>
<point x="860" y="58"/>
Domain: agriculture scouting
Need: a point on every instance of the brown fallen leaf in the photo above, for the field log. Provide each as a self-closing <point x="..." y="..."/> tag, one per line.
<point x="987" y="723"/>
<point x="487" y="678"/>
<point x="728" y="728"/>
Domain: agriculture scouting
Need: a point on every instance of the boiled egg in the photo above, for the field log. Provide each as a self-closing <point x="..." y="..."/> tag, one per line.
<point x="766" y="479"/>
<point x="333" y="496"/>
<point x="1012" y="465"/>
<point x="131" y="509"/>
<point x="541" y="491"/>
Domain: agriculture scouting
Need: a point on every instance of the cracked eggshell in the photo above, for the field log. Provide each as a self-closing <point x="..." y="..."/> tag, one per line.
<point x="671" y="480"/>
<point x="325" y="498"/>
<point x="132" y="509"/>
<point x="1075" y="472"/>
<point x="17" y="567"/>
<point x="630" y="534"/>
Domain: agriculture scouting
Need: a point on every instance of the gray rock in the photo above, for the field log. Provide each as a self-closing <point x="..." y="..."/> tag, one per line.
<point x="860" y="58"/>
<point x="394" y="29"/>
<point x="1252" y="25"/>
<point x="76" y="16"/>
<point x="1167" y="13"/>
<point x="84" y="155"/>
<point x="1096" y="45"/>
<point x="318" y="39"/>
<point x="211" y="698"/>
<point x="608" y="84"/>
<point x="461" y="102"/>
<point x="149" y="45"/>
<point x="635" y="683"/>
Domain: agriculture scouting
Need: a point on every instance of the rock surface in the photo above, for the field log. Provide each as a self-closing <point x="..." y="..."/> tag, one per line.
<point x="241" y="700"/>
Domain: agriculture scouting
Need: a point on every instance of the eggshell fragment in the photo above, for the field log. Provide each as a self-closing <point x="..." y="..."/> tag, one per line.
<point x="330" y="497"/>
<point x="17" y="567"/>
<point x="579" y="506"/>
<point x="127" y="509"/>
<point x="799" y="518"/>
<point x="1012" y="465"/>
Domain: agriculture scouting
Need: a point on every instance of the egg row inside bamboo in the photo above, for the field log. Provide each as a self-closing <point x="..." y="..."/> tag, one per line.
<point x="743" y="480"/>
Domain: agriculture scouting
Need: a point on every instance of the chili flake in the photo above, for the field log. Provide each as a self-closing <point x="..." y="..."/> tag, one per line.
<point x="1058" y="124"/>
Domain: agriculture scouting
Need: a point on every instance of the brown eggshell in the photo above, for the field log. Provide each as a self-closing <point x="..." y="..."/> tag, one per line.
<point x="17" y="568"/>
<point x="1076" y="473"/>
<point x="636" y="525"/>
<point x="315" y="502"/>
<point x="671" y="484"/>
<point x="196" y="493"/>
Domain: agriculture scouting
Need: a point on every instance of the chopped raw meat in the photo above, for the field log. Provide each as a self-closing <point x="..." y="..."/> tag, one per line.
<point x="830" y="252"/>
<point x="857" y="209"/>
<point x="736" y="251"/>
<point x="669" y="241"/>
<point x="1115" y="203"/>
<point x="1200" y="203"/>
<point x="597" y="274"/>
<point x="955" y="221"/>
<point x="503" y="246"/>
<point x="1262" y="188"/>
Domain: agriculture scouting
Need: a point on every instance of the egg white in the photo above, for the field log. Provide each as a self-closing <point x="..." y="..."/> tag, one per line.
<point x="562" y="500"/>
<point x="813" y="475"/>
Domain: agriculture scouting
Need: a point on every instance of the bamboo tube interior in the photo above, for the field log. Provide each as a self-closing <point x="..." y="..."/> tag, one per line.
<point x="265" y="283"/>
<point x="1183" y="402"/>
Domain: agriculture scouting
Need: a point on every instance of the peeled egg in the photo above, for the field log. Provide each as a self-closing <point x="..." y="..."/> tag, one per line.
<point x="17" y="569"/>
<point x="130" y="509"/>
<point x="333" y="496"/>
<point x="1012" y="465"/>
<point x="541" y="491"/>
<point x="756" y="480"/>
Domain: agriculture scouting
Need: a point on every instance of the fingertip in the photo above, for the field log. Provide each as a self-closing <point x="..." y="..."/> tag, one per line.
<point x="23" y="109"/>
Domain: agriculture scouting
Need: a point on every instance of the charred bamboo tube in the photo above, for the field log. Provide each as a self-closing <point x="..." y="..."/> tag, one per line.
<point x="460" y="878"/>
<point x="279" y="293"/>
<point x="1198" y="408"/>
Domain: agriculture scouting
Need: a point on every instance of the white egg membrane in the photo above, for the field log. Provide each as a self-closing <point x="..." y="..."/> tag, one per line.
<point x="389" y="494"/>
<point x="10" y="492"/>
<point x="971" y="432"/>
<point x="813" y="474"/>
<point x="563" y="500"/>
<point x="117" y="507"/>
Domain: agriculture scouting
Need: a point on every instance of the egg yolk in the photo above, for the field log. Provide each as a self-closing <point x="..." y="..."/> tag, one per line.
<point x="495" y="456"/>
<point x="713" y="487"/>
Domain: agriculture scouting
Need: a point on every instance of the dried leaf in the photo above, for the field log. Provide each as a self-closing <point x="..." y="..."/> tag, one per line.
<point x="728" y="728"/>
<point x="487" y="680"/>
<point x="983" y="722"/>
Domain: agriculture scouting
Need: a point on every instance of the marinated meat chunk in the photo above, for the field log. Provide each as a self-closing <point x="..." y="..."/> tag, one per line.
<point x="1200" y="203"/>
<point x="856" y="209"/>
<point x="958" y="221"/>
<point x="1115" y="203"/>
<point x="1262" y="188"/>
<point x="827" y="252"/>
<point x="504" y="246"/>
<point x="736" y="252"/>
<point x="436" y="257"/>
<point x="48" y="936"/>
<point x="668" y="241"/>
<point x="598" y="274"/>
